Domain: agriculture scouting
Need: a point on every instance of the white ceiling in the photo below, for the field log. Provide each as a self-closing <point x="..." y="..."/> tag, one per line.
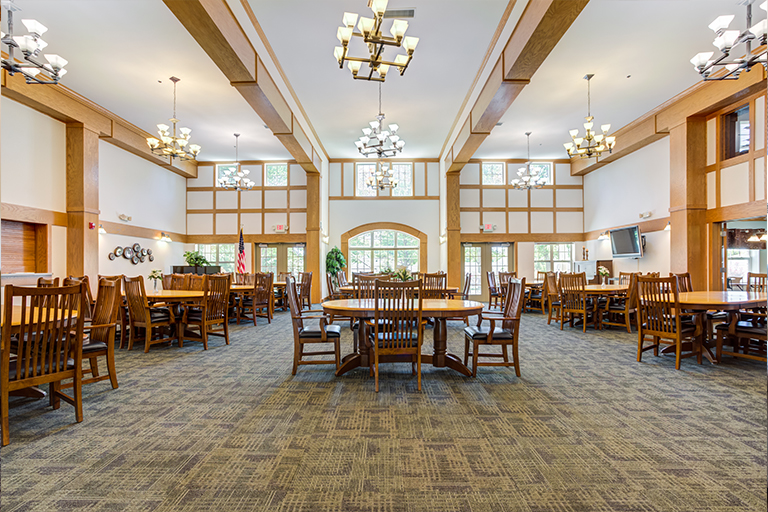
<point x="119" y="49"/>
<point x="639" y="52"/>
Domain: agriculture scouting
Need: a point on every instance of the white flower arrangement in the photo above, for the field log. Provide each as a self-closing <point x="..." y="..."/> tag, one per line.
<point x="601" y="270"/>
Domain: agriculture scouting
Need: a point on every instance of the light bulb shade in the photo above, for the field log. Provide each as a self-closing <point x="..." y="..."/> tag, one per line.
<point x="401" y="60"/>
<point x="605" y="128"/>
<point x="374" y="124"/>
<point x="163" y="127"/>
<point x="367" y="131"/>
<point x="399" y="144"/>
<point x="753" y="238"/>
<point x="35" y="27"/>
<point x="394" y="138"/>
<point x="578" y="141"/>
<point x="27" y="44"/>
<point x="398" y="28"/>
<point x="568" y="145"/>
<point x="354" y="66"/>
<point x="759" y="29"/>
<point x="721" y="23"/>
<point x="379" y="7"/>
<point x="185" y="131"/>
<point x="719" y="42"/>
<point x="349" y="19"/>
<point x="359" y="144"/>
<point x="344" y="34"/>
<point x="61" y="72"/>
<point x="338" y="52"/>
<point x="393" y="128"/>
<point x="152" y="142"/>
<point x="730" y="37"/>
<point x="764" y="5"/>
<point x="194" y="149"/>
<point x="700" y="59"/>
<point x="573" y="133"/>
<point x="588" y="126"/>
<point x="599" y="137"/>
<point x="365" y="139"/>
<point x="365" y="25"/>
<point x="410" y="43"/>
<point x="57" y="62"/>
<point x="383" y="69"/>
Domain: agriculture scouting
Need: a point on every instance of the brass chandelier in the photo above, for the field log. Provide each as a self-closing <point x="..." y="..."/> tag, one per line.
<point x="592" y="144"/>
<point x="170" y="144"/>
<point x="382" y="177"/>
<point x="236" y="178"/>
<point x="527" y="177"/>
<point x="30" y="46"/>
<point x="370" y="31"/>
<point x="726" y="40"/>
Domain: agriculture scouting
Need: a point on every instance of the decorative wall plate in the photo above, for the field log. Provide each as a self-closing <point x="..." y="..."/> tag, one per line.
<point x="149" y="251"/>
<point x="111" y="256"/>
<point x="143" y="252"/>
<point x="136" y="247"/>
<point x="127" y="252"/>
<point x="142" y="258"/>
<point x="151" y="258"/>
<point x="135" y="260"/>
<point x="118" y="251"/>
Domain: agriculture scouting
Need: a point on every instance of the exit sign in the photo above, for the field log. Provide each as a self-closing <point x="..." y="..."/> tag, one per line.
<point x="280" y="228"/>
<point x="488" y="227"/>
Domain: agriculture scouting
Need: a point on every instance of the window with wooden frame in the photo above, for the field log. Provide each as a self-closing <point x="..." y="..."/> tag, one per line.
<point x="736" y="132"/>
<point x="542" y="169"/>
<point x="553" y="257"/>
<point x="362" y="171"/>
<point x="492" y="173"/>
<point x="473" y="264"/>
<point x="378" y="250"/>
<point x="220" y="168"/>
<point x="500" y="258"/>
<point x="223" y="255"/>
<point x="281" y="258"/>
<point x="276" y="175"/>
<point x="403" y="173"/>
<point x="295" y="259"/>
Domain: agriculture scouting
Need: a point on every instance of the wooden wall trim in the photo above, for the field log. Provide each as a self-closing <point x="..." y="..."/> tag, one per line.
<point x="118" y="228"/>
<point x="520" y="237"/>
<point x="423" y="238"/>
<point x="647" y="226"/>
<point x="258" y="239"/>
<point x="736" y="212"/>
<point x="21" y="213"/>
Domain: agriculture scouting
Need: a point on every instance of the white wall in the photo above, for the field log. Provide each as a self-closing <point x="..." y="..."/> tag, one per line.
<point x="418" y="214"/>
<point x="656" y="254"/>
<point x="166" y="255"/>
<point x="616" y="194"/>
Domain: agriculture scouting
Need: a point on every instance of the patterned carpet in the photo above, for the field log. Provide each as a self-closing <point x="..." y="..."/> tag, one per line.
<point x="586" y="428"/>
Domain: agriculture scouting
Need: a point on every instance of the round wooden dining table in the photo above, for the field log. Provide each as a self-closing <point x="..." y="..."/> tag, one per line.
<point x="350" y="288"/>
<point x="439" y="309"/>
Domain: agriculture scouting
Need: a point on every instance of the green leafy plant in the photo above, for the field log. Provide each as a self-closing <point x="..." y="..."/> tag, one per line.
<point x="402" y="274"/>
<point x="195" y="259"/>
<point x="156" y="274"/>
<point x="388" y="271"/>
<point x="334" y="262"/>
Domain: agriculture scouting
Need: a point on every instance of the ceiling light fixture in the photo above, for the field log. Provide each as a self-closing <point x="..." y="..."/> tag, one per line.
<point x="165" y="238"/>
<point x="604" y="236"/>
<point x="30" y="46"/>
<point x="382" y="177"/>
<point x="529" y="178"/>
<point x="726" y="40"/>
<point x="169" y="144"/>
<point x="592" y="144"/>
<point x="378" y="141"/>
<point x="236" y="178"/>
<point x="370" y="31"/>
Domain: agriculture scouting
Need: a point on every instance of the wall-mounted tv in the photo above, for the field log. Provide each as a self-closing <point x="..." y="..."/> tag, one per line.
<point x="626" y="242"/>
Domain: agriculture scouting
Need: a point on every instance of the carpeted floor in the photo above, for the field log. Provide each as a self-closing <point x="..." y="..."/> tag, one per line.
<point x="586" y="428"/>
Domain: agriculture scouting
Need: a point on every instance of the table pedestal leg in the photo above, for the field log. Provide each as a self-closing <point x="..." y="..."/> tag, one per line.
<point x="440" y="357"/>
<point x="359" y="359"/>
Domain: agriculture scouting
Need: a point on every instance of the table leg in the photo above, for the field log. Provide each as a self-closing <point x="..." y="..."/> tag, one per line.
<point x="440" y="357"/>
<point x="359" y="359"/>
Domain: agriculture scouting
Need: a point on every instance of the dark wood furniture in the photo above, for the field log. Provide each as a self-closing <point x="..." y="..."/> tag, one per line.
<point x="257" y="299"/>
<point x="304" y="287"/>
<point x="574" y="300"/>
<point x="552" y="291"/>
<point x="433" y="286"/>
<point x="304" y="336"/>
<point x="211" y="316"/>
<point x="146" y="318"/>
<point x="208" y="269"/>
<point x="623" y="306"/>
<point x="505" y="335"/>
<point x="494" y="294"/>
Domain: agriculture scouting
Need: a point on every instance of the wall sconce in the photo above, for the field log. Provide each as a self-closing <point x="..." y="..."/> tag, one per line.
<point x="645" y="215"/>
<point x="165" y="238"/>
<point x="326" y="239"/>
<point x="443" y="239"/>
<point x="123" y="217"/>
<point x="668" y="227"/>
<point x="604" y="236"/>
<point x="102" y="231"/>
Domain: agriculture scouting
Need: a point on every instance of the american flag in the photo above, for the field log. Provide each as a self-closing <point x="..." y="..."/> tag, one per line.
<point x="240" y="269"/>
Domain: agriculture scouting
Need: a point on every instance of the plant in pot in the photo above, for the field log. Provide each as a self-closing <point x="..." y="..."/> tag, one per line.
<point x="195" y="259"/>
<point x="334" y="262"/>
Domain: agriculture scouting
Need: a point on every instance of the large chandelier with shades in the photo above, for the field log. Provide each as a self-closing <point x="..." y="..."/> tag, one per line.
<point x="726" y="40"/>
<point x="370" y="32"/>
<point x="378" y="141"/>
<point x="236" y="178"/>
<point x="592" y="143"/>
<point x="382" y="177"/>
<point x="171" y="143"/>
<point x="528" y="178"/>
<point x="30" y="45"/>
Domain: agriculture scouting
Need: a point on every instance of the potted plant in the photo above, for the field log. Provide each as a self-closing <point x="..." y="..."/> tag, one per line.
<point x="334" y="262"/>
<point x="195" y="259"/>
<point x="604" y="273"/>
<point x="155" y="276"/>
<point x="402" y="274"/>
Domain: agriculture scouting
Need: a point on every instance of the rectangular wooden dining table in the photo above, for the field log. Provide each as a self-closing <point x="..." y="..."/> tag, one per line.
<point x="450" y="291"/>
<point x="439" y="309"/>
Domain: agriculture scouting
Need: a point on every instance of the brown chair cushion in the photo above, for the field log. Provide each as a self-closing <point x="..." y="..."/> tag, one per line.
<point x="159" y="315"/>
<point x="482" y="333"/>
<point x="331" y="331"/>
<point x="12" y="368"/>
<point x="744" y="329"/>
<point x="94" y="346"/>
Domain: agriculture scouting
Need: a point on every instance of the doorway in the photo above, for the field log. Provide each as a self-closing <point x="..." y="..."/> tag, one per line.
<point x="742" y="251"/>
<point x="277" y="258"/>
<point x="478" y="259"/>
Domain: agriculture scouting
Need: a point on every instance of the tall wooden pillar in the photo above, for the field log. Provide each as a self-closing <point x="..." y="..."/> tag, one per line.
<point x="313" y="235"/>
<point x="453" y="229"/>
<point x="82" y="201"/>
<point x="688" y="200"/>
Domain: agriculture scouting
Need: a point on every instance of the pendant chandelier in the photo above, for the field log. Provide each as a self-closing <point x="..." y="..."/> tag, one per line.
<point x="170" y="144"/>
<point x="30" y="46"/>
<point x="725" y="41"/>
<point x="592" y="144"/>
<point x="382" y="177"/>
<point x="236" y="178"/>
<point x="370" y="31"/>
<point x="378" y="141"/>
<point x="528" y="178"/>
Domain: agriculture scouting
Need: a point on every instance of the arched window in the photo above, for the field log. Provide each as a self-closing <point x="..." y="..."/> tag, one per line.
<point x="374" y="251"/>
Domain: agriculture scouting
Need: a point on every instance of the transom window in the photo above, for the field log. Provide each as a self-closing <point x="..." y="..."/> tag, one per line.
<point x="403" y="173"/>
<point x="473" y="264"/>
<point x="499" y="258"/>
<point x="361" y="187"/>
<point x="268" y="259"/>
<point x="543" y="169"/>
<point x="296" y="259"/>
<point x="380" y="250"/>
<point x="220" y="168"/>
<point x="553" y="257"/>
<point x="276" y="175"/>
<point x="493" y="174"/>
<point x="223" y="255"/>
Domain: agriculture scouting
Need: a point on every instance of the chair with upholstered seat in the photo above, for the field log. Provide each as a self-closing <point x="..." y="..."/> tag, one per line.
<point x="749" y="334"/>
<point x="47" y="345"/>
<point x="505" y="335"/>
<point x="305" y="289"/>
<point x="658" y="308"/>
<point x="257" y="300"/>
<point x="179" y="281"/>
<point x="433" y="286"/>
<point x="146" y="318"/>
<point x="397" y="327"/>
<point x="623" y="306"/>
<point x="211" y="317"/>
<point x="573" y="299"/>
<point x="122" y="314"/>
<point x="493" y="290"/>
<point x="552" y="291"/>
<point x="302" y="335"/>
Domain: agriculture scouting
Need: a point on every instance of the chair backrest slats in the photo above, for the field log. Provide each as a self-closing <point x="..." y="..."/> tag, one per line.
<point x="341" y="275"/>
<point x="491" y="278"/>
<point x="757" y="282"/>
<point x="683" y="282"/>
<point x="364" y="286"/>
<point x="106" y="310"/>
<point x="217" y="297"/>
<point x="513" y="303"/>
<point x="330" y="284"/>
<point x="262" y="287"/>
<point x="504" y="277"/>
<point x="196" y="282"/>
<point x="572" y="294"/>
<point x="467" y="286"/>
<point x="657" y="302"/>
<point x="136" y="297"/>
<point x="42" y="282"/>
<point x="398" y="314"/>
<point x="179" y="281"/>
<point x="433" y="286"/>
<point x="294" y="306"/>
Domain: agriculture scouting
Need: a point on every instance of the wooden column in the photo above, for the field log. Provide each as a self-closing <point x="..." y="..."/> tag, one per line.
<point x="688" y="200"/>
<point x="453" y="229"/>
<point x="313" y="235"/>
<point x="82" y="201"/>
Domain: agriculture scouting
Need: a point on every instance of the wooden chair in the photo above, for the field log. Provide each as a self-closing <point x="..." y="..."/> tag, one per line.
<point x="179" y="281"/>
<point x="541" y="276"/>
<point x="493" y="291"/>
<point x="573" y="299"/>
<point x="364" y="286"/>
<point x="397" y="327"/>
<point x="625" y="277"/>
<point x="305" y="289"/>
<point x="552" y="291"/>
<point x="142" y="316"/>
<point x="76" y="281"/>
<point x="303" y="336"/>
<point x="101" y="339"/>
<point x="333" y="292"/>
<point x="683" y="282"/>
<point x="341" y="275"/>
<point x="45" y="353"/>
<point x="212" y="316"/>
<point x="433" y="286"/>
<point x="42" y="282"/>
<point x="625" y="306"/>
<point x="749" y="337"/>
<point x="196" y="283"/>
<point x="657" y="302"/>
<point x="122" y="316"/>
<point x="281" y="300"/>
<point x="505" y="335"/>
<point x="757" y="282"/>
<point x="257" y="299"/>
<point x="167" y="279"/>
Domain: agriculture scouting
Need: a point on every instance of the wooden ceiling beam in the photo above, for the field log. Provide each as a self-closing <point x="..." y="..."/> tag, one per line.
<point x="216" y="29"/>
<point x="541" y="26"/>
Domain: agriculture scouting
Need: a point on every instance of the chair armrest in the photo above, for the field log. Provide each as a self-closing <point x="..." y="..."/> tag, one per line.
<point x="98" y="326"/>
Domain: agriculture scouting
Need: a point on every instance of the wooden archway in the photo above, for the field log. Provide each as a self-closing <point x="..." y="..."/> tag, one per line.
<point x="392" y="226"/>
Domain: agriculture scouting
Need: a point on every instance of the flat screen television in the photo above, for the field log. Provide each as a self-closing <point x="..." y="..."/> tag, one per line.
<point x="626" y="242"/>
